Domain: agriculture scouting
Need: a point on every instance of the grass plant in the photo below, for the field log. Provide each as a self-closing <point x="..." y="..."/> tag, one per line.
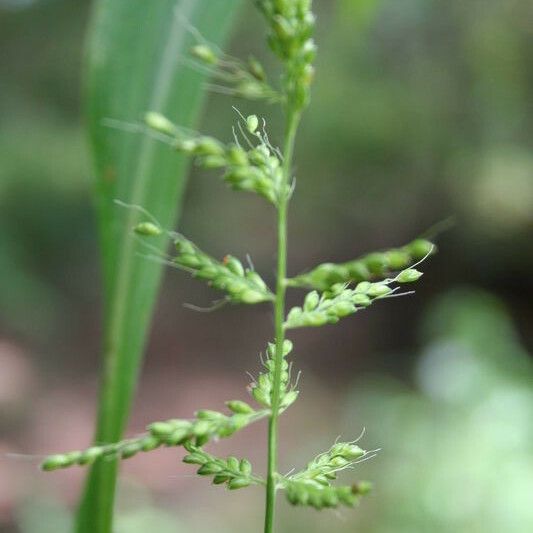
<point x="252" y="163"/>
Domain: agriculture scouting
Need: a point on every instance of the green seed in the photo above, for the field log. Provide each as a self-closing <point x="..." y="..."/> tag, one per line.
<point x="206" y="414"/>
<point x="130" y="450"/>
<point x="178" y="436"/>
<point x="233" y="463"/>
<point x="245" y="467"/>
<point x="147" y="229"/>
<point x="240" y="407"/>
<point x="378" y="289"/>
<point x="90" y="455"/>
<point x="408" y="276"/>
<point x="361" y="299"/>
<point x="160" y="123"/>
<point x="150" y="443"/>
<point x="311" y="301"/>
<point x="208" y="469"/>
<point x="252" y="297"/>
<point x="397" y="259"/>
<point x="239" y="483"/>
<point x="204" y="53"/>
<point x="252" y="122"/>
<point x="201" y="427"/>
<point x="161" y="429"/>
<point x="420" y="248"/>
<point x="53" y="462"/>
<point x="194" y="459"/>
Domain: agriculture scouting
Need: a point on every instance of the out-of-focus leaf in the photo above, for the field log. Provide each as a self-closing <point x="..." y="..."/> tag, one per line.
<point x="136" y="62"/>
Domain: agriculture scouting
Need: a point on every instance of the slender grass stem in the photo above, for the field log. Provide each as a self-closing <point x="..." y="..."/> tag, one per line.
<point x="292" y="121"/>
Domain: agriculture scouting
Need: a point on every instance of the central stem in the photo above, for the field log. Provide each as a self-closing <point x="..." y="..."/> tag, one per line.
<point x="279" y="317"/>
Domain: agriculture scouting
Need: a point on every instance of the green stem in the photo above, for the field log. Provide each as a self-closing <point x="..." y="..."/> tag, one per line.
<point x="293" y="119"/>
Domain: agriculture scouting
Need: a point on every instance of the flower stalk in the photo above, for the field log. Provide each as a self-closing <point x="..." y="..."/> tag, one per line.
<point x="293" y="119"/>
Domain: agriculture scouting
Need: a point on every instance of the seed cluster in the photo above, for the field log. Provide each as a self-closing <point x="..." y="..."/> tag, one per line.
<point x="208" y="425"/>
<point x="235" y="473"/>
<point x="340" y="301"/>
<point x="367" y="268"/>
<point x="244" y="80"/>
<point x="243" y="285"/>
<point x="262" y="389"/>
<point x="321" y="497"/>
<point x="324" y="467"/>
<point x="175" y="432"/>
<point x="312" y="486"/>
<point x="123" y="450"/>
<point x="291" y="24"/>
<point x="256" y="169"/>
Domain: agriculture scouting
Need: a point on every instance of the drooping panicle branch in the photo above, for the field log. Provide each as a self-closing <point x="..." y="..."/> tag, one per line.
<point x="207" y="426"/>
<point x="370" y="267"/>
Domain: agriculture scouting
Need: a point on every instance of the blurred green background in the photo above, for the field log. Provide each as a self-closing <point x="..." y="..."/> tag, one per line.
<point x="421" y="111"/>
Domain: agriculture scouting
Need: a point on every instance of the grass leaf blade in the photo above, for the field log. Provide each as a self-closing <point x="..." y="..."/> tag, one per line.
<point x="135" y="64"/>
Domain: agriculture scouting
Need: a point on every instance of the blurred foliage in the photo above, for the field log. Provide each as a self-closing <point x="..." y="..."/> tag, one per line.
<point x="44" y="208"/>
<point x="458" y="450"/>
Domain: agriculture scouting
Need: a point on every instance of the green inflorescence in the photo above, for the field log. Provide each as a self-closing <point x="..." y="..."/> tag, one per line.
<point x="252" y="164"/>
<point x="340" y="300"/>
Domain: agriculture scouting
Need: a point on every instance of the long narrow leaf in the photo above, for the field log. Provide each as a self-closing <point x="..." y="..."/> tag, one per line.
<point x="136" y="62"/>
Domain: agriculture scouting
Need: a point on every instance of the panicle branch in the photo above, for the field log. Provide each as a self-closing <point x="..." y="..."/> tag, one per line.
<point x="312" y="486"/>
<point x="250" y="164"/>
<point x="235" y="473"/>
<point x="367" y="268"/>
<point x="236" y="78"/>
<point x="208" y="425"/>
<point x="309" y="493"/>
<point x="340" y="301"/>
<point x="243" y="285"/>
